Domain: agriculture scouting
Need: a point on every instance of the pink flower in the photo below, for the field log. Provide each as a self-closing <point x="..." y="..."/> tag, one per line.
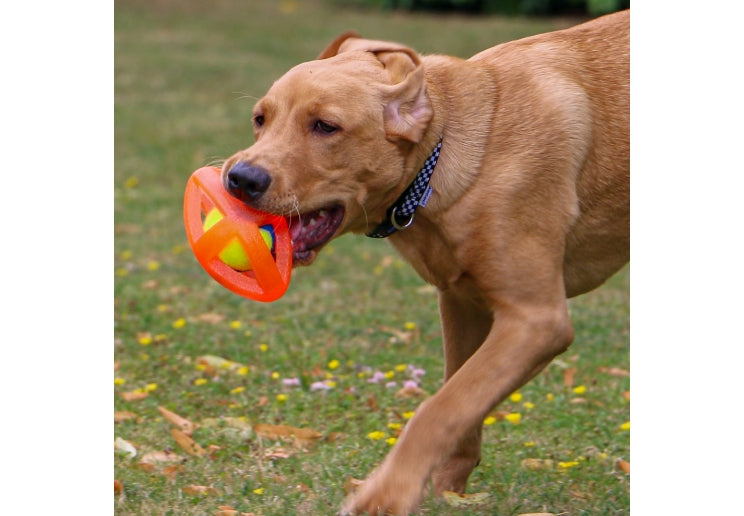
<point x="319" y="386"/>
<point x="291" y="382"/>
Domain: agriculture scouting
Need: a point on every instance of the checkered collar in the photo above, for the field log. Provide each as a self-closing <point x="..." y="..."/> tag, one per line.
<point x="400" y="214"/>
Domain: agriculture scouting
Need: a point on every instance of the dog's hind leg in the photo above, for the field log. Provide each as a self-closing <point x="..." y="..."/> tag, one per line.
<point x="465" y="326"/>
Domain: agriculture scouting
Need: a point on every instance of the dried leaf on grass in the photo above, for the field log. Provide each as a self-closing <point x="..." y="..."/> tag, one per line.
<point x="161" y="457"/>
<point x="187" y="443"/>
<point x="301" y="436"/>
<point x="118" y="487"/>
<point x="123" y="415"/>
<point x="200" y="490"/>
<point x="623" y="466"/>
<point x="218" y="363"/>
<point x="569" y="376"/>
<point x="614" y="371"/>
<point x="210" y="318"/>
<point x="134" y="395"/>
<point x="464" y="500"/>
<point x="226" y="510"/>
<point x="182" y="423"/>
<point x="278" y="453"/>
<point x="124" y="447"/>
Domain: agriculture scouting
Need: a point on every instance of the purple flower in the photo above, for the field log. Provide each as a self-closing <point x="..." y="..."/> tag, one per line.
<point x="291" y="382"/>
<point x="377" y="377"/>
<point x="391" y="384"/>
<point x="410" y="384"/>
<point x="319" y="386"/>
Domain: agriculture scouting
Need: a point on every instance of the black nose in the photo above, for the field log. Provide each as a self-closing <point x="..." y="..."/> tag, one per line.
<point x="247" y="182"/>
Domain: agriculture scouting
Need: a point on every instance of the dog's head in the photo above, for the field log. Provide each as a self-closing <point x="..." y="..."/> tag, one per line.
<point x="332" y="136"/>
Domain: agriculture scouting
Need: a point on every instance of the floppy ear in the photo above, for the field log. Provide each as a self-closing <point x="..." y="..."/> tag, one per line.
<point x="408" y="109"/>
<point x="332" y="49"/>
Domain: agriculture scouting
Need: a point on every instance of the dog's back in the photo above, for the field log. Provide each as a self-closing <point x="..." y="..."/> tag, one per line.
<point x="582" y="74"/>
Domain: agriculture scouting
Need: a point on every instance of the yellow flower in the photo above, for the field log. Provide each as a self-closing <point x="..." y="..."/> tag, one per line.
<point x="201" y="367"/>
<point x="200" y="381"/>
<point x="394" y="426"/>
<point x="489" y="420"/>
<point x="235" y="324"/>
<point x="568" y="464"/>
<point x="243" y="370"/>
<point x="528" y="405"/>
<point x="151" y="387"/>
<point x="401" y="367"/>
<point x="281" y="398"/>
<point x="625" y="426"/>
<point x="237" y="390"/>
<point x="408" y="414"/>
<point x="145" y="340"/>
<point x="333" y="364"/>
<point x="529" y="444"/>
<point x="263" y="347"/>
<point x="179" y="323"/>
<point x="550" y="397"/>
<point x="516" y="397"/>
<point x="330" y="383"/>
<point x="410" y="325"/>
<point x="131" y="182"/>
<point x="391" y="440"/>
<point x="259" y="490"/>
<point x="376" y="435"/>
<point x="126" y="255"/>
<point x="580" y="389"/>
<point x="389" y="374"/>
<point x="119" y="381"/>
<point x="122" y="272"/>
<point x="153" y="265"/>
<point x="275" y="375"/>
<point x="514" y="418"/>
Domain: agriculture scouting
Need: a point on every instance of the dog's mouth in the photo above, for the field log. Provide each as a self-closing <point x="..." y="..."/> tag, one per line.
<point x="310" y="231"/>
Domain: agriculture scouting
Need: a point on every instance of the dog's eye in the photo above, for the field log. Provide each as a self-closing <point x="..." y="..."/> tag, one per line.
<point x="258" y="120"/>
<point x="324" y="128"/>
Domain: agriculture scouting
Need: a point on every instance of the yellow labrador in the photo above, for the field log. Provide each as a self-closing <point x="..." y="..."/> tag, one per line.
<point x="503" y="179"/>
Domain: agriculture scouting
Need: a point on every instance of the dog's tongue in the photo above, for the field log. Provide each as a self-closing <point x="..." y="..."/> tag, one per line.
<point x="312" y="229"/>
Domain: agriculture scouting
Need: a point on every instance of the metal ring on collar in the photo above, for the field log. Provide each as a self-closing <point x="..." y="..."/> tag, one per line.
<point x="394" y="221"/>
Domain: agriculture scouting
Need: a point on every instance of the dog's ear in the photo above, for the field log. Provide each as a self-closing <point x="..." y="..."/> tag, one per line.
<point x="333" y="49"/>
<point x="408" y="109"/>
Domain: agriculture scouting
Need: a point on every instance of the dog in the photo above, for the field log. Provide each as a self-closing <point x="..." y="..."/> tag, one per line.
<point x="502" y="179"/>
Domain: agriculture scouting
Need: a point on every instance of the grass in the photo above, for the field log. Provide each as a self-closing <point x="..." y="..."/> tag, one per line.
<point x="185" y="76"/>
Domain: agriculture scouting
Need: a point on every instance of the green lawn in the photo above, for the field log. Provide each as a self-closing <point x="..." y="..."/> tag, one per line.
<point x="186" y="76"/>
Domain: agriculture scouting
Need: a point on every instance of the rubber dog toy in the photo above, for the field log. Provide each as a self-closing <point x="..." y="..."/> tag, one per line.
<point x="247" y="251"/>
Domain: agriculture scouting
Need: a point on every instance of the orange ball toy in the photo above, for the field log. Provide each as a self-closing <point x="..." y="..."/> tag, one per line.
<point x="256" y="243"/>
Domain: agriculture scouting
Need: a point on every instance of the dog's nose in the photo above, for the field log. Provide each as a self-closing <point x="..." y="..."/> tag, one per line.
<point x="247" y="182"/>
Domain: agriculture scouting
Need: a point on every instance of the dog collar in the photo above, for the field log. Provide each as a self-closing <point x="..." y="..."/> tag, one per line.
<point x="400" y="214"/>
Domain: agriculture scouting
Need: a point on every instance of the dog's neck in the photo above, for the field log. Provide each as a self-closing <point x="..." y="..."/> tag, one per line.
<point x="401" y="213"/>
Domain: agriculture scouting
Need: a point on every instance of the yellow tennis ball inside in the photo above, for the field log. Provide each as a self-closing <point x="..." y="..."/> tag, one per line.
<point x="233" y="254"/>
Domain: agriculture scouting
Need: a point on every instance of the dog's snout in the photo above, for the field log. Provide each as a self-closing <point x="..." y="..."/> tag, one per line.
<point x="247" y="182"/>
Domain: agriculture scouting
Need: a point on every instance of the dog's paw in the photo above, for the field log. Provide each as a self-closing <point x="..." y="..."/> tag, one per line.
<point x="385" y="493"/>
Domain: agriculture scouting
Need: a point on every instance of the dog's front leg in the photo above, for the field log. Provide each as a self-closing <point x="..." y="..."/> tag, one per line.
<point x="523" y="339"/>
